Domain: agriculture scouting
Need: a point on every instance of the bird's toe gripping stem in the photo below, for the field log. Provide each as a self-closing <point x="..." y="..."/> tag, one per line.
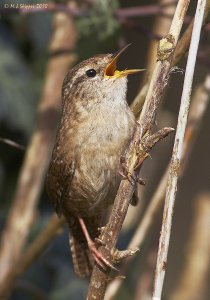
<point x="93" y="245"/>
<point x="126" y="174"/>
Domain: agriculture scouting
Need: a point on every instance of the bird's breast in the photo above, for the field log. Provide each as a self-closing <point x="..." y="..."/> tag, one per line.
<point x="96" y="144"/>
<point x="108" y="126"/>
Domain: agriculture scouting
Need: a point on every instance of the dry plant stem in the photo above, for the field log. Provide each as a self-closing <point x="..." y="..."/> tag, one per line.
<point x="31" y="179"/>
<point x="145" y="141"/>
<point x="161" y="27"/>
<point x="12" y="143"/>
<point x="182" y="47"/>
<point x="145" y="10"/>
<point x="176" y="156"/>
<point x="199" y="105"/>
<point x="193" y="281"/>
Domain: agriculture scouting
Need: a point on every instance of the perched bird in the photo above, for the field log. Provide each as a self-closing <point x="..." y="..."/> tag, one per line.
<point x="95" y="128"/>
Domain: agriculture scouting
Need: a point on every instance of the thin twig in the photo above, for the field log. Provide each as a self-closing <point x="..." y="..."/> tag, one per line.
<point x="199" y="106"/>
<point x="143" y="10"/>
<point x="32" y="175"/>
<point x="177" y="152"/>
<point x="12" y="144"/>
<point x="142" y="139"/>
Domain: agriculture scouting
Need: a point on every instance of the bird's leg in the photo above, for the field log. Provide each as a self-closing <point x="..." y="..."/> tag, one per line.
<point x="98" y="257"/>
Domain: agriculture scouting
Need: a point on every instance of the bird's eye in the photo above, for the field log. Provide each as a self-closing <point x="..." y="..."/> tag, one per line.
<point x="91" y="73"/>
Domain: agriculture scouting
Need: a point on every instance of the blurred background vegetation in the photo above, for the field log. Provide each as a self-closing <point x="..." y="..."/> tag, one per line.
<point x="24" y="54"/>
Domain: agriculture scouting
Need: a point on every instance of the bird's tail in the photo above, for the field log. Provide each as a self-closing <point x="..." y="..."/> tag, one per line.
<point x="82" y="259"/>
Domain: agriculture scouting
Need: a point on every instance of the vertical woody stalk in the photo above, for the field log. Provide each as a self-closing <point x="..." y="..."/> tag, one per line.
<point x="144" y="141"/>
<point x="177" y="153"/>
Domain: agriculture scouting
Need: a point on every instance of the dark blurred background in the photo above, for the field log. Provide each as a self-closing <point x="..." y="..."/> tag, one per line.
<point x="24" y="53"/>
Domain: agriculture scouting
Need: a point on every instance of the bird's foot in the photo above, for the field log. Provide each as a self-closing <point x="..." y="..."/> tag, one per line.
<point x="99" y="258"/>
<point x="127" y="175"/>
<point x="132" y="178"/>
<point x="97" y="255"/>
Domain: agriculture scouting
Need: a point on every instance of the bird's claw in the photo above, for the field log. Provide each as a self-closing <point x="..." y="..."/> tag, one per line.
<point x="97" y="255"/>
<point x="99" y="258"/>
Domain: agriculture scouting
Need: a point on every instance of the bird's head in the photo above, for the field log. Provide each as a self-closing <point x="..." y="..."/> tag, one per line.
<point x="97" y="79"/>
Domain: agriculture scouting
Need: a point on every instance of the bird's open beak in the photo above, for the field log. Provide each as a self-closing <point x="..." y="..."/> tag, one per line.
<point x="111" y="69"/>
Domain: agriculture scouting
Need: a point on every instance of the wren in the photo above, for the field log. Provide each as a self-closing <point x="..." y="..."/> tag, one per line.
<point x="95" y="128"/>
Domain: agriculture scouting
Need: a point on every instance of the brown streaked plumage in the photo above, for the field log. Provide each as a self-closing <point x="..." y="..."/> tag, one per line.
<point x="95" y="128"/>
